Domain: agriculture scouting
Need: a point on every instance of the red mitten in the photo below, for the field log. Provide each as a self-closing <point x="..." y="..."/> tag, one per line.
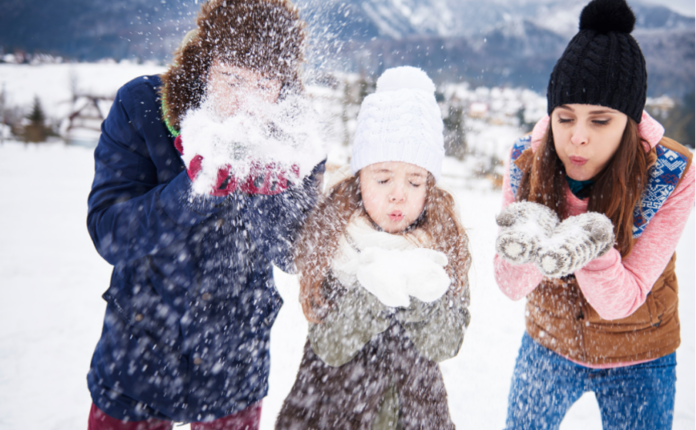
<point x="269" y="180"/>
<point x="225" y="184"/>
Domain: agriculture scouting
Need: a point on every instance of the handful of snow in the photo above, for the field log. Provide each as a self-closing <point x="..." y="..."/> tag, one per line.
<point x="531" y="232"/>
<point x="393" y="275"/>
<point x="285" y="134"/>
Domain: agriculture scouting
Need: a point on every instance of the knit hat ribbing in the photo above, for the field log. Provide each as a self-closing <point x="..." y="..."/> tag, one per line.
<point x="401" y="121"/>
<point x="603" y="64"/>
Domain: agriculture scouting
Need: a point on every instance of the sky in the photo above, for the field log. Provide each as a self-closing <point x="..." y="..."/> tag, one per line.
<point x="685" y="7"/>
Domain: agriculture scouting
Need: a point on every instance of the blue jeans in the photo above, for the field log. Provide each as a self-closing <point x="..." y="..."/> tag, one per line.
<point x="545" y="385"/>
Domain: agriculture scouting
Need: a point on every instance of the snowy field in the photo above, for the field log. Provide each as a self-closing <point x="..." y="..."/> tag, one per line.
<point x="54" y="84"/>
<point x="51" y="311"/>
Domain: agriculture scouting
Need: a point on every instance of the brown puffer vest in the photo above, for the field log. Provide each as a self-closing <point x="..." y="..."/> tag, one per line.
<point x="559" y="317"/>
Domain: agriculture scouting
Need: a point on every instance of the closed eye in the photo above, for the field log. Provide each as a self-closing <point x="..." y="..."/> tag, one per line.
<point x="234" y="81"/>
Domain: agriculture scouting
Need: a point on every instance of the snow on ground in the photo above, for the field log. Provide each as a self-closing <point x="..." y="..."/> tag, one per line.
<point x="51" y="281"/>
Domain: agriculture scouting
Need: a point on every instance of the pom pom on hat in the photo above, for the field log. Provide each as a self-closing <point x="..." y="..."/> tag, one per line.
<point x="604" y="16"/>
<point x="405" y="78"/>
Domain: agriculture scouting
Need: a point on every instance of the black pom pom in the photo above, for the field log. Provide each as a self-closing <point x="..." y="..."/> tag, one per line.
<point x="604" y="16"/>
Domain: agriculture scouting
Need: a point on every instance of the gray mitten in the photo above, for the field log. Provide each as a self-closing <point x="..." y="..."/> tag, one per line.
<point x="523" y="225"/>
<point x="574" y="243"/>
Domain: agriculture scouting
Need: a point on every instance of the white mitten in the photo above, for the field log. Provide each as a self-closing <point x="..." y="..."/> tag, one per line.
<point x="574" y="243"/>
<point x="427" y="279"/>
<point x="394" y="275"/>
<point x="523" y="225"/>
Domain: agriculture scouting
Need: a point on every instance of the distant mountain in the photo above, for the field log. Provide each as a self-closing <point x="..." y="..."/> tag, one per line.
<point x="491" y="42"/>
<point x="519" y="55"/>
<point x="94" y="29"/>
<point x="450" y="18"/>
<point x="670" y="59"/>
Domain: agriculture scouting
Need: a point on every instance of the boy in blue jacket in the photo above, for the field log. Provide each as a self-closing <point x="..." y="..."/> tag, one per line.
<point x="192" y="298"/>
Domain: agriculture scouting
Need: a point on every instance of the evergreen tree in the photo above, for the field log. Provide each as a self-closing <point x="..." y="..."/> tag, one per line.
<point x="36" y="130"/>
<point x="455" y="134"/>
<point x="680" y="124"/>
<point x="3" y="120"/>
<point x="367" y="86"/>
<point x="524" y="125"/>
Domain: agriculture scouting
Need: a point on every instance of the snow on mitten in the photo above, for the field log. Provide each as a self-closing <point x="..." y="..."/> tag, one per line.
<point x="225" y="184"/>
<point x="270" y="179"/>
<point x="574" y="243"/>
<point x="522" y="226"/>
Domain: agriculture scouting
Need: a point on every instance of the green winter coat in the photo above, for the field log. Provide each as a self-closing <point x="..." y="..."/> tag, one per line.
<point x="356" y="332"/>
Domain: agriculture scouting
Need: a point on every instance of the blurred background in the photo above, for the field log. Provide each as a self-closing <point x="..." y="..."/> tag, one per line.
<point x="62" y="61"/>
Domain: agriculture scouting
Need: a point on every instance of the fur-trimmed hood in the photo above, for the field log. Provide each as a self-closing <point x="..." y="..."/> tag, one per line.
<point x="263" y="35"/>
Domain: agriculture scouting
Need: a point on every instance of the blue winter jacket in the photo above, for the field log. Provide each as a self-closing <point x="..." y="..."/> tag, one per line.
<point x="192" y="298"/>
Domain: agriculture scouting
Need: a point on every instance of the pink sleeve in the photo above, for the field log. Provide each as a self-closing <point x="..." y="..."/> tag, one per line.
<point x="514" y="281"/>
<point x="617" y="288"/>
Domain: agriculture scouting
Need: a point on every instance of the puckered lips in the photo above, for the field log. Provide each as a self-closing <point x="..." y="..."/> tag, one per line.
<point x="577" y="161"/>
<point x="396" y="216"/>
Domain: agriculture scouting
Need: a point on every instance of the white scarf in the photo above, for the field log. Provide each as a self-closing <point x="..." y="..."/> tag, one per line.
<point x="390" y="266"/>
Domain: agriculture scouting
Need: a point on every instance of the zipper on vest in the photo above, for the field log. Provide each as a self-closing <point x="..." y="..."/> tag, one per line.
<point x="580" y="315"/>
<point x="581" y="323"/>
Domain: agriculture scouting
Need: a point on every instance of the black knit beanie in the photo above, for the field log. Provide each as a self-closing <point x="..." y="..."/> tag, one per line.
<point x="603" y="64"/>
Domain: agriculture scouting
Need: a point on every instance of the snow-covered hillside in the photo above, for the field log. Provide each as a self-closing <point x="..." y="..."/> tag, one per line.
<point x="51" y="312"/>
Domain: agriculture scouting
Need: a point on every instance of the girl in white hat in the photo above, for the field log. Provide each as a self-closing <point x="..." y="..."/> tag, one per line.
<point x="383" y="266"/>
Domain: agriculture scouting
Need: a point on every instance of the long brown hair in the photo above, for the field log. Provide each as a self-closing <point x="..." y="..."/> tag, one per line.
<point x="616" y="191"/>
<point x="262" y="35"/>
<point x="320" y="237"/>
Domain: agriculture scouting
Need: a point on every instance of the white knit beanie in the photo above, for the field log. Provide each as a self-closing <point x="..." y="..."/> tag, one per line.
<point x="401" y="121"/>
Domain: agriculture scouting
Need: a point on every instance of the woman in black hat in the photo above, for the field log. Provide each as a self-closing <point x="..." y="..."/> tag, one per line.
<point x="595" y="201"/>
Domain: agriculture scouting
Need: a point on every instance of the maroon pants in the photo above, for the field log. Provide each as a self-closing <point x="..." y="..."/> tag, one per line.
<point x="247" y="419"/>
